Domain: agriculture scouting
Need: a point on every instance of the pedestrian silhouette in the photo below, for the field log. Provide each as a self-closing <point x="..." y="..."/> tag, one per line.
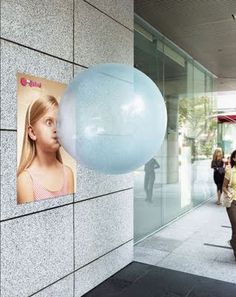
<point x="149" y="178"/>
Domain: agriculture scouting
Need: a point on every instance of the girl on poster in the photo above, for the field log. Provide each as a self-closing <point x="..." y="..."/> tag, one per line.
<point x="41" y="173"/>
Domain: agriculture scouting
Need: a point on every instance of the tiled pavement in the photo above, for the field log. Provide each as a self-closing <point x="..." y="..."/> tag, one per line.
<point x="188" y="258"/>
<point x="197" y="243"/>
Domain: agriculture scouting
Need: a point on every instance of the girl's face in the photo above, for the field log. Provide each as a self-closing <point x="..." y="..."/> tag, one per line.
<point x="44" y="131"/>
<point x="219" y="155"/>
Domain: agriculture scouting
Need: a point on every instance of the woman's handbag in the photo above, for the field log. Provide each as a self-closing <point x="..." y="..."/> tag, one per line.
<point x="221" y="170"/>
<point x="228" y="196"/>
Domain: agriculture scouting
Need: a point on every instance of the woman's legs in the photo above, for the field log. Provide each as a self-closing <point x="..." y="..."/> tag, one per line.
<point x="220" y="188"/>
<point x="232" y="217"/>
<point x="219" y="184"/>
<point x="218" y="197"/>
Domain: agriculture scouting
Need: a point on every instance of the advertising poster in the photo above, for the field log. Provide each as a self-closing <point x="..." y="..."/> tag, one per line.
<point x="44" y="169"/>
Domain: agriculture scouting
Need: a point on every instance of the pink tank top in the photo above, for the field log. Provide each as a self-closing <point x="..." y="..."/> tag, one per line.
<point x="41" y="193"/>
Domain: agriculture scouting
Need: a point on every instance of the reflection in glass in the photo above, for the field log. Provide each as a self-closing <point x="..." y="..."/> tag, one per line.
<point x="149" y="177"/>
<point x="183" y="177"/>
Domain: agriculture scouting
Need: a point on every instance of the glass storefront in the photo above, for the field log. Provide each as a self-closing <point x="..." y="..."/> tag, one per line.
<point x="226" y="111"/>
<point x="179" y="176"/>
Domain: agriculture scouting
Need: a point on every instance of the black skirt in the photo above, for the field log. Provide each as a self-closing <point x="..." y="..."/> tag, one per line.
<point x="219" y="179"/>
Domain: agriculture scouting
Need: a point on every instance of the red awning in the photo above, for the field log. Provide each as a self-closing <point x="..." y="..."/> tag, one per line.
<point x="227" y="117"/>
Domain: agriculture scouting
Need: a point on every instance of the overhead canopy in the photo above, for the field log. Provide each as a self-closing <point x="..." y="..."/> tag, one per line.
<point x="200" y="32"/>
<point x="226" y="117"/>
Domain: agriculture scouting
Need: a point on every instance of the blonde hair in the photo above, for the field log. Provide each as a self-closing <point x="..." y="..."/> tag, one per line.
<point x="35" y="111"/>
<point x="218" y="150"/>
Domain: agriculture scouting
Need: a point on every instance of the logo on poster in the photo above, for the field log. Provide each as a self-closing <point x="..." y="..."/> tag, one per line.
<point x="24" y="82"/>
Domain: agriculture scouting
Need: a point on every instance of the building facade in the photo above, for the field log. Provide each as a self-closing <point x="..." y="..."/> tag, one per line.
<point x="65" y="246"/>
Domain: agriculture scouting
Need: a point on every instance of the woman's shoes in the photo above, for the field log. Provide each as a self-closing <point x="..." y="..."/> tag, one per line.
<point x="218" y="202"/>
<point x="230" y="243"/>
<point x="234" y="251"/>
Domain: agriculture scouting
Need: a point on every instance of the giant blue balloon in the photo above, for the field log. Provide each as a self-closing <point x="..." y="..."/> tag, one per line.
<point x="112" y="118"/>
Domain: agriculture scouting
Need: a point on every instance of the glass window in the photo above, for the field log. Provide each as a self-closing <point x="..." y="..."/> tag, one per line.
<point x="178" y="176"/>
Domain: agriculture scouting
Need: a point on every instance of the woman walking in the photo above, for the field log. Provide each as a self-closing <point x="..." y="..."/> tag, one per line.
<point x="230" y="181"/>
<point x="217" y="164"/>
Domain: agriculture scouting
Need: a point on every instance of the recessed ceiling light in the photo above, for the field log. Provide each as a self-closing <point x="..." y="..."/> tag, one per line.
<point x="234" y="16"/>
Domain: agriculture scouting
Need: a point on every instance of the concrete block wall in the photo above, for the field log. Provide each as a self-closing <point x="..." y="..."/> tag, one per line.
<point x="66" y="246"/>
